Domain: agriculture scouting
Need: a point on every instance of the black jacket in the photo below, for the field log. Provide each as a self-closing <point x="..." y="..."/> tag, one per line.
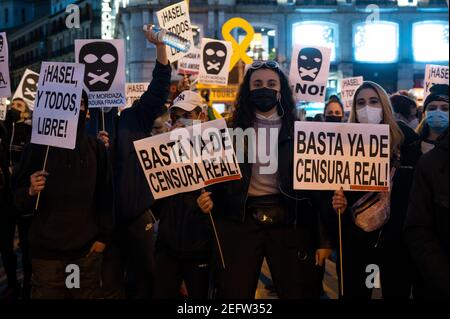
<point x="5" y="196"/>
<point x="184" y="231"/>
<point x="427" y="221"/>
<point x="135" y="123"/>
<point x="76" y="207"/>
<point x="304" y="208"/>
<point x="19" y="135"/>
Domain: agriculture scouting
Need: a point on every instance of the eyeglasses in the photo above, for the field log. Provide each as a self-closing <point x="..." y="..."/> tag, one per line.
<point x="267" y="64"/>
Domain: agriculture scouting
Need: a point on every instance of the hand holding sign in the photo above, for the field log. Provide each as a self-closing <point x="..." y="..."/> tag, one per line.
<point x="205" y="202"/>
<point x="37" y="183"/>
<point x="339" y="201"/>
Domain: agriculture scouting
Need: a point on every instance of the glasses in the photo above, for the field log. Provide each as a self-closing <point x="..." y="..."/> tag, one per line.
<point x="267" y="64"/>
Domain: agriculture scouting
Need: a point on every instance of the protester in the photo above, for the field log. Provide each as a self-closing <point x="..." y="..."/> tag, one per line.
<point x="261" y="216"/>
<point x="427" y="221"/>
<point x="134" y="199"/>
<point x="184" y="243"/>
<point x="334" y="110"/>
<point x="383" y="247"/>
<point x="74" y="219"/>
<point x="405" y="113"/>
<point x="435" y="120"/>
<point x="405" y="110"/>
<point x="18" y="125"/>
<point x="7" y="222"/>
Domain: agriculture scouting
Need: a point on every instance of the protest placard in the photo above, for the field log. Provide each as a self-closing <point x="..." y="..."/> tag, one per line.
<point x="3" y="109"/>
<point x="353" y="156"/>
<point x="216" y="57"/>
<point x="27" y="88"/>
<point x="308" y="76"/>
<point x="190" y="63"/>
<point x="57" y="105"/>
<point x="188" y="159"/>
<point x="434" y="74"/>
<point x="134" y="92"/>
<point x="348" y="89"/>
<point x="104" y="79"/>
<point x="5" y="84"/>
<point x="175" y="18"/>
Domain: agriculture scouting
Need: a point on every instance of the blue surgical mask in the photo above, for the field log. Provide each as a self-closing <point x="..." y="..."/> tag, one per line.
<point x="437" y="120"/>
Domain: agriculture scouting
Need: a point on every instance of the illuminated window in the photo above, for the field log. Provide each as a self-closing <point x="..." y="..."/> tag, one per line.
<point x="262" y="46"/>
<point x="430" y="41"/>
<point x="317" y="33"/>
<point x="376" y="42"/>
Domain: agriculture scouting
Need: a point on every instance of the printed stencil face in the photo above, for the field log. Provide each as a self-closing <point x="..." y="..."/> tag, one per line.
<point x="309" y="63"/>
<point x="29" y="87"/>
<point x="101" y="60"/>
<point x="214" y="57"/>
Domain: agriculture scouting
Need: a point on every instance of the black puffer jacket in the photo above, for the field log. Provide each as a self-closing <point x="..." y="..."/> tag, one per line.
<point x="427" y="221"/>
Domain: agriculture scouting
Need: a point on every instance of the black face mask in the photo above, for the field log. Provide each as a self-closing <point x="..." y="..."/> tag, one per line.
<point x="264" y="99"/>
<point x="333" y="118"/>
<point x="14" y="115"/>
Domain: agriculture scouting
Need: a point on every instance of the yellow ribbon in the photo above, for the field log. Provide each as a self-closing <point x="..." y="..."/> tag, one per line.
<point x="239" y="49"/>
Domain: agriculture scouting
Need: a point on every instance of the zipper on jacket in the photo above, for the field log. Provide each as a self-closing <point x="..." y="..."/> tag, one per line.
<point x="378" y="239"/>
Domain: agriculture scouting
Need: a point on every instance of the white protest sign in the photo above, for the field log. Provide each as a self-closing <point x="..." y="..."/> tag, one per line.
<point x="134" y="92"/>
<point x="27" y="88"/>
<point x="310" y="66"/>
<point x="57" y="107"/>
<point x="175" y="19"/>
<point x="216" y="57"/>
<point x="348" y="89"/>
<point x="3" y="109"/>
<point x="104" y="78"/>
<point x="434" y="74"/>
<point x="5" y="84"/>
<point x="353" y="156"/>
<point x="190" y="63"/>
<point x="188" y="159"/>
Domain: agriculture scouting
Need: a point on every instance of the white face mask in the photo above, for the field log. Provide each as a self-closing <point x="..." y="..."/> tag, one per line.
<point x="370" y="115"/>
<point x="426" y="147"/>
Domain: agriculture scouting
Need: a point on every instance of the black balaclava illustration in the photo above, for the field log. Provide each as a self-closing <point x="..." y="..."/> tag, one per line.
<point x="1" y="43"/>
<point x="29" y="87"/>
<point x="214" y="56"/>
<point x="309" y="63"/>
<point x="101" y="60"/>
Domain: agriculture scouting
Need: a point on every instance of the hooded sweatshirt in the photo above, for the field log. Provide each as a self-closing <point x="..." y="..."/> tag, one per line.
<point x="76" y="207"/>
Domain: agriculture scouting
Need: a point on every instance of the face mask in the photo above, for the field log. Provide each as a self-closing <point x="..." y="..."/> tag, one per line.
<point x="426" y="147"/>
<point x="437" y="120"/>
<point x="370" y="115"/>
<point x="333" y="119"/>
<point x="413" y="123"/>
<point x="14" y="115"/>
<point x="188" y="122"/>
<point x="264" y="99"/>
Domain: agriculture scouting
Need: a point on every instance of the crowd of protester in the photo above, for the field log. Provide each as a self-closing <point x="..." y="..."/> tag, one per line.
<point x="96" y="210"/>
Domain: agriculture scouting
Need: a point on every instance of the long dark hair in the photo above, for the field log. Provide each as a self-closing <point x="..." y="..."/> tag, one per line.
<point x="244" y="114"/>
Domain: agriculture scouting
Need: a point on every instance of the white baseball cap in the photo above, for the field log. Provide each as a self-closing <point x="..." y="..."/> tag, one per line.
<point x="188" y="101"/>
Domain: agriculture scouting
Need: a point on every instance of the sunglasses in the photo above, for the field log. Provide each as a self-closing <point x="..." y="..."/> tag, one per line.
<point x="267" y="64"/>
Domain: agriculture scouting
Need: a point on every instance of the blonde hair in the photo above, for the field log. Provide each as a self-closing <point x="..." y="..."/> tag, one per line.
<point x="396" y="134"/>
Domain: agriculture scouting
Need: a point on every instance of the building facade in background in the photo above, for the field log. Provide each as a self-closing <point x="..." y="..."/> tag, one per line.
<point x="386" y="41"/>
